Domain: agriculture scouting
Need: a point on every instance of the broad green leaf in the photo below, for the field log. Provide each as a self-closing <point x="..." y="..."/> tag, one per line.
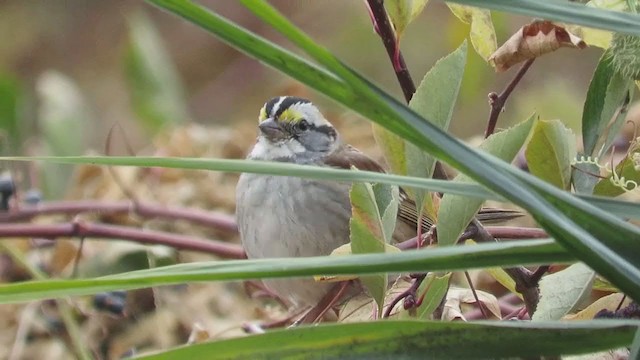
<point x="584" y="176"/>
<point x="455" y="211"/>
<point x="393" y="149"/>
<point x="434" y="288"/>
<point x="414" y="339"/>
<point x="156" y="91"/>
<point x="625" y="178"/>
<point x="607" y="92"/>
<point x="374" y="209"/>
<point x="10" y="97"/>
<point x="435" y="100"/>
<point x="63" y="116"/>
<point x="387" y="201"/>
<point x="403" y="12"/>
<point x="440" y="259"/>
<point x="562" y="292"/>
<point x="613" y="128"/>
<point x="550" y="151"/>
<point x="482" y="33"/>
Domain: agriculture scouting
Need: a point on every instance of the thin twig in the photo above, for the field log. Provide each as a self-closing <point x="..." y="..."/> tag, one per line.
<point x="497" y="101"/>
<point x="410" y="292"/>
<point x="475" y="295"/>
<point x="519" y="274"/>
<point x="208" y="219"/>
<point x="383" y="27"/>
<point x="96" y="230"/>
<point x="537" y="275"/>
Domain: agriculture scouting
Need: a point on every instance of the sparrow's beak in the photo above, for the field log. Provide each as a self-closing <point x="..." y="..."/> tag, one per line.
<point x="271" y="130"/>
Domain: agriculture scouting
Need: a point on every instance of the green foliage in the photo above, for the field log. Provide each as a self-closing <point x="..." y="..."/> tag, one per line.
<point x="455" y="211"/>
<point x="412" y="340"/>
<point x="444" y="259"/>
<point x="607" y="93"/>
<point x="625" y="177"/>
<point x="374" y="209"/>
<point x="563" y="291"/>
<point x="583" y="228"/>
<point x="550" y="152"/>
<point x="10" y="95"/>
<point x="435" y="100"/>
<point x="481" y="32"/>
<point x="156" y="92"/>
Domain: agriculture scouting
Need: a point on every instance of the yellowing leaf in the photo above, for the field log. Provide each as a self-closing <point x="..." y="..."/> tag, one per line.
<point x="374" y="209"/>
<point x="609" y="302"/>
<point x="531" y="41"/>
<point x="392" y="147"/>
<point x="482" y="33"/>
<point x="403" y="12"/>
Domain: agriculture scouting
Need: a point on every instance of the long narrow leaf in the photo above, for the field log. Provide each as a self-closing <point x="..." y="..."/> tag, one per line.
<point x="624" y="209"/>
<point x="450" y="258"/>
<point x="417" y="340"/>
<point x="564" y="11"/>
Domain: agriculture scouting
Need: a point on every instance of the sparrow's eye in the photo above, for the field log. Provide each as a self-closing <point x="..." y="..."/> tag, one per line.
<point x="303" y="125"/>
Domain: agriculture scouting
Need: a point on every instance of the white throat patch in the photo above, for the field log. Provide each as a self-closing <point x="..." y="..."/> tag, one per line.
<point x="265" y="150"/>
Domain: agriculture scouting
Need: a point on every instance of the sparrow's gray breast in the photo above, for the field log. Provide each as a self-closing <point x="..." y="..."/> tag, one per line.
<point x="292" y="217"/>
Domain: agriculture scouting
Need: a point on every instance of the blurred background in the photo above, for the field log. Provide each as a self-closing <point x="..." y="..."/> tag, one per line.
<point x="124" y="78"/>
<point x="90" y="44"/>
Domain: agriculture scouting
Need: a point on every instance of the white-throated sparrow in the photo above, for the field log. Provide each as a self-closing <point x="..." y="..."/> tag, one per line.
<point x="280" y="216"/>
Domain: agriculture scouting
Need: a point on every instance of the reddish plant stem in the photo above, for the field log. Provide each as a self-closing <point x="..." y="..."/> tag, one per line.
<point x="497" y="101"/>
<point x="147" y="210"/>
<point x="384" y="28"/>
<point x="83" y="229"/>
<point x="475" y="295"/>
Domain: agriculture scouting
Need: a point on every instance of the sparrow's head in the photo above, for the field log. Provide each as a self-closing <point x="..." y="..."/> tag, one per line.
<point x="293" y="129"/>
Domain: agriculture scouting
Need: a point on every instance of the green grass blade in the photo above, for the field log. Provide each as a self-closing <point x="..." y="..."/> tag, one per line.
<point x="440" y="259"/>
<point x="564" y="11"/>
<point x="416" y="339"/>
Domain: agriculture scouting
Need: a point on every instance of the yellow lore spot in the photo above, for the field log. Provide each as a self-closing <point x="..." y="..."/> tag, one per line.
<point x="263" y="114"/>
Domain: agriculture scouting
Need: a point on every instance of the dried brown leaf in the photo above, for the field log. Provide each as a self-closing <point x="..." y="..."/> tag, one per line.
<point x="531" y="41"/>
<point x="457" y="297"/>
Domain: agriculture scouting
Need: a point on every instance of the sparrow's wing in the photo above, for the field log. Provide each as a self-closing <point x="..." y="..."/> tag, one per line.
<point x="347" y="156"/>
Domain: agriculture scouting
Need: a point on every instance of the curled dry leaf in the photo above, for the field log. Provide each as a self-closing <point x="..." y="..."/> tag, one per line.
<point x="363" y="308"/>
<point x="533" y="40"/>
<point x="610" y="302"/>
<point x="457" y="297"/>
